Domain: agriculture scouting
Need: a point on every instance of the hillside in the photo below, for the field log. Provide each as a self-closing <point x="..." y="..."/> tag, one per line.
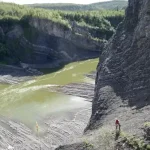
<point x="110" y="5"/>
<point x="46" y="35"/>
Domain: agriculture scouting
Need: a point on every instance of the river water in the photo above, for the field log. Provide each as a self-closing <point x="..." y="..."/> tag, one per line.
<point x="32" y="100"/>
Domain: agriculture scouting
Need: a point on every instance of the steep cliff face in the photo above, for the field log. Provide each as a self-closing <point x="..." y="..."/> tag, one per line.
<point x="42" y="41"/>
<point x="79" y="36"/>
<point x="123" y="74"/>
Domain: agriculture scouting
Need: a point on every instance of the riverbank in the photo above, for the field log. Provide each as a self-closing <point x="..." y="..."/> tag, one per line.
<point x="14" y="75"/>
<point x="57" y="129"/>
<point x="84" y="90"/>
<point x="61" y="118"/>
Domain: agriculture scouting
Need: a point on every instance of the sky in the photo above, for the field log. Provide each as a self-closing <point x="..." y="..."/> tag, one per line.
<point x="54" y="1"/>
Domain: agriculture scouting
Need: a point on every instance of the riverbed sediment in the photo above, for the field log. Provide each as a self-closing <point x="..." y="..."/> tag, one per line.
<point x="84" y="90"/>
<point x="58" y="128"/>
<point x="13" y="74"/>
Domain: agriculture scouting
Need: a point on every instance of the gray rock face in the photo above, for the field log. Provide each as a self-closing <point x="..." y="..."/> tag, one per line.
<point x="46" y="42"/>
<point x="123" y="74"/>
<point x="79" y="36"/>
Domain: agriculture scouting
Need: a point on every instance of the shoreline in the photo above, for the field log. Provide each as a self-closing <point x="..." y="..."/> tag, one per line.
<point x="10" y="74"/>
<point x="83" y="90"/>
<point x="13" y="74"/>
<point x="57" y="129"/>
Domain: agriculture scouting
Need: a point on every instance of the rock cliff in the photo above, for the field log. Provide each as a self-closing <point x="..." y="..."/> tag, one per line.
<point x="42" y="41"/>
<point x="123" y="77"/>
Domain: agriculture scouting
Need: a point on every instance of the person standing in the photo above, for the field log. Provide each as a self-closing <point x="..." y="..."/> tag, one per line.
<point x="117" y="123"/>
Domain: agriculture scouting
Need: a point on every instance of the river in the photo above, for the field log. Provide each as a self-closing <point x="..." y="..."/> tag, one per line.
<point x="30" y="101"/>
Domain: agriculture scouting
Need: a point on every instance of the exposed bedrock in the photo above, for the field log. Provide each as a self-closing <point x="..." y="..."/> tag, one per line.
<point x="46" y="42"/>
<point x="123" y="73"/>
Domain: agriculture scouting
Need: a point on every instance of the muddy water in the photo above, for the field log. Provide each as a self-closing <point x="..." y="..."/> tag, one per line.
<point x="30" y="101"/>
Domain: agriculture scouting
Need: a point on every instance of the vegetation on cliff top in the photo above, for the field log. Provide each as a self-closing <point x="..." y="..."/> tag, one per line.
<point x="13" y="12"/>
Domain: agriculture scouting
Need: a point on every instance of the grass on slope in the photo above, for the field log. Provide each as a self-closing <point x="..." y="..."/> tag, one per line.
<point x="106" y="138"/>
<point x="134" y="142"/>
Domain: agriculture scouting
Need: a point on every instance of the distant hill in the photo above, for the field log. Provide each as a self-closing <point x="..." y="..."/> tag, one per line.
<point x="111" y="5"/>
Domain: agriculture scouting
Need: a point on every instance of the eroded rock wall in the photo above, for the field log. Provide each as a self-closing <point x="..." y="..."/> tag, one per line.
<point x="123" y="73"/>
<point x="44" y="42"/>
